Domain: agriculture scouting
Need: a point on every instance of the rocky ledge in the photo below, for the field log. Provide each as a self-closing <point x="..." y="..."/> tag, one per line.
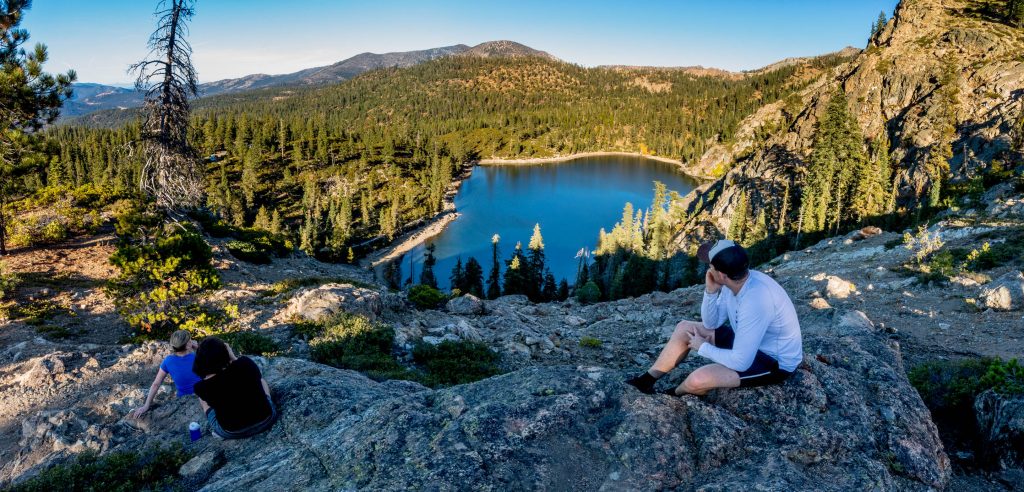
<point x="848" y="420"/>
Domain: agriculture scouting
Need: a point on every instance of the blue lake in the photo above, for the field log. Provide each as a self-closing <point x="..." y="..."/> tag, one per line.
<point x="570" y="200"/>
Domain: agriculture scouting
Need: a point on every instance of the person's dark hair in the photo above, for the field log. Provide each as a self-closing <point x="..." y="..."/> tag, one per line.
<point x="733" y="262"/>
<point x="211" y="357"/>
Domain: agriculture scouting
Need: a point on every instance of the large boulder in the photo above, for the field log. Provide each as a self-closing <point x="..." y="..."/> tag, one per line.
<point x="847" y="420"/>
<point x="328" y="300"/>
<point x="1005" y="293"/>
<point x="1001" y="427"/>
<point x="467" y="304"/>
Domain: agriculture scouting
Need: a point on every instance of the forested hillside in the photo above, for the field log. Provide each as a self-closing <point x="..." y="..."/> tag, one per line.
<point x="928" y="117"/>
<point x="338" y="166"/>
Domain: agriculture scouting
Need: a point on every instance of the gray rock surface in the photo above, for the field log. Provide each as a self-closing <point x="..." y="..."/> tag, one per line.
<point x="847" y="420"/>
<point x="465" y="304"/>
<point x="325" y="301"/>
<point x="1005" y="293"/>
<point x="1001" y="424"/>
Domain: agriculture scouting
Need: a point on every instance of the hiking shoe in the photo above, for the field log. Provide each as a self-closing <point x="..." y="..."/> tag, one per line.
<point x="644" y="383"/>
<point x="671" y="391"/>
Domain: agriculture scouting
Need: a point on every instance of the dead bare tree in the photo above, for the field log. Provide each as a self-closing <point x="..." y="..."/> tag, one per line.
<point x="171" y="173"/>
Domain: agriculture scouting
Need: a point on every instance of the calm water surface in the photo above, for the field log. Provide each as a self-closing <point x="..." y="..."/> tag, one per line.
<point x="570" y="200"/>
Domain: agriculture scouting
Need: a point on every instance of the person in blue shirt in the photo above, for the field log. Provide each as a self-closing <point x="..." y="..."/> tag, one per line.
<point x="178" y="365"/>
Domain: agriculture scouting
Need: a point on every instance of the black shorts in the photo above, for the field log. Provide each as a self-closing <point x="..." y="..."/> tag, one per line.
<point x="765" y="369"/>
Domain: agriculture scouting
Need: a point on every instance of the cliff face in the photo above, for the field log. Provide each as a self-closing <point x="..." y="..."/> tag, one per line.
<point x="894" y="87"/>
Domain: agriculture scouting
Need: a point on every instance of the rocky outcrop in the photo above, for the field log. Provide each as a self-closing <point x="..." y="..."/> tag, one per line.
<point x="847" y="420"/>
<point x="1001" y="427"/>
<point x="893" y="89"/>
<point x="325" y="301"/>
<point x="1005" y="293"/>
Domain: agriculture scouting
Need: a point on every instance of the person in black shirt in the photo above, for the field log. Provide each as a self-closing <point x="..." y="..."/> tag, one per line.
<point x="232" y="391"/>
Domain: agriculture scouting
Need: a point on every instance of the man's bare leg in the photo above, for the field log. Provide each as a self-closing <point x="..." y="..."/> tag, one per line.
<point x="707" y="378"/>
<point x="674" y="351"/>
<point x="678" y="346"/>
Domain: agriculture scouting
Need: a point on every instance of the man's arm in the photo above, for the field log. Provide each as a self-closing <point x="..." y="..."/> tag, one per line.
<point x="752" y="323"/>
<point x="712" y="312"/>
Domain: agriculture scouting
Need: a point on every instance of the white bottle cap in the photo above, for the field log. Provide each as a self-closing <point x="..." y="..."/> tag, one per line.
<point x="193" y="426"/>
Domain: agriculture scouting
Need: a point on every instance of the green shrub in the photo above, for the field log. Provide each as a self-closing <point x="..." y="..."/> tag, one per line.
<point x="426" y="297"/>
<point x="952" y="385"/>
<point x="54" y="232"/>
<point x="8" y="281"/>
<point x="449" y="362"/>
<point x="354" y="342"/>
<point x="249" y="244"/>
<point x="250" y="343"/>
<point x="152" y="469"/>
<point x="590" y="342"/>
<point x="589" y="293"/>
<point x="246" y="251"/>
<point x="165" y="268"/>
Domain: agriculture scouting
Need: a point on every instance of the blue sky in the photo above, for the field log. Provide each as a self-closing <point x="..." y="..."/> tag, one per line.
<point x="232" y="38"/>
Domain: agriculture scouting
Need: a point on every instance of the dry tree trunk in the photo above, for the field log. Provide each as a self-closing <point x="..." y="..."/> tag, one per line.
<point x="171" y="173"/>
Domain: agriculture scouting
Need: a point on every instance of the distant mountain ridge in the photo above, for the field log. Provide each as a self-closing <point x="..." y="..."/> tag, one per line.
<point x="90" y="97"/>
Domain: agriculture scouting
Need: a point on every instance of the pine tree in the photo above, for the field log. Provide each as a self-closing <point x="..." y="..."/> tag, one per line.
<point x="29" y="99"/>
<point x="1014" y="12"/>
<point x="838" y="150"/>
<point x="474" y="278"/>
<point x="516" y="275"/>
<point x="494" y="279"/>
<point x="250" y="177"/>
<point x="458" y="277"/>
<point x="550" y="290"/>
<point x="262" y="220"/>
<point x="878" y="25"/>
<point x="427" y="274"/>
<point x="276" y="225"/>
<point x="534" y="269"/>
<point x="738" y="222"/>
<point x="563" y="290"/>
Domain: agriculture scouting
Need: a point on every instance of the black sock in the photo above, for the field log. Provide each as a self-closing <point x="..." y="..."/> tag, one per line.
<point x="644" y="383"/>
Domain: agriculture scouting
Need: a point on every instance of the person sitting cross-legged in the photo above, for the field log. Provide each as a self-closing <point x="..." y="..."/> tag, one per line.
<point x="760" y="345"/>
<point x="233" y="393"/>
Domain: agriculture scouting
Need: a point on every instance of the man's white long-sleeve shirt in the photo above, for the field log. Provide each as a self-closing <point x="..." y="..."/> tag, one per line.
<point x="763" y="317"/>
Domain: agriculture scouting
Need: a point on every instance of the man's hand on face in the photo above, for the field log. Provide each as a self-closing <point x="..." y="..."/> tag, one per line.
<point x="710" y="285"/>
<point x="696" y="340"/>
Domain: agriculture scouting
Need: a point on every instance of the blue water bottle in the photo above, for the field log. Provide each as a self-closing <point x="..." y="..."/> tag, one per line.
<point x="193" y="431"/>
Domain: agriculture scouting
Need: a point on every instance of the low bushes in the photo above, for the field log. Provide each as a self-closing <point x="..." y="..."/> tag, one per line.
<point x="248" y="244"/>
<point x="354" y="342"/>
<point x="949" y="388"/>
<point x="250" y="343"/>
<point x="589" y="293"/>
<point x="8" y="282"/>
<point x="55" y="213"/>
<point x="426" y="297"/>
<point x="954" y="384"/>
<point x="165" y="269"/>
<point x="152" y="469"/>
<point x="450" y="362"/>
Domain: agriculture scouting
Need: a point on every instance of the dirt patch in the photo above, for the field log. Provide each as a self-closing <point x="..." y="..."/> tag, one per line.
<point x="62" y="295"/>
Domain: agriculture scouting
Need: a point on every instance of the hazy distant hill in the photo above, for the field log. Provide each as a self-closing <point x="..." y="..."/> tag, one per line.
<point x="343" y="70"/>
<point x="90" y="97"/>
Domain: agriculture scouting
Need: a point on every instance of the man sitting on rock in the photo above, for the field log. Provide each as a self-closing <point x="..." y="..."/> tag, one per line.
<point x="760" y="345"/>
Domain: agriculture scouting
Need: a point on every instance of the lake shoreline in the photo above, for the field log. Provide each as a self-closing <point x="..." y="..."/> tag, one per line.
<point x="435" y="225"/>
<point x="581" y="155"/>
<point x="431" y="227"/>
